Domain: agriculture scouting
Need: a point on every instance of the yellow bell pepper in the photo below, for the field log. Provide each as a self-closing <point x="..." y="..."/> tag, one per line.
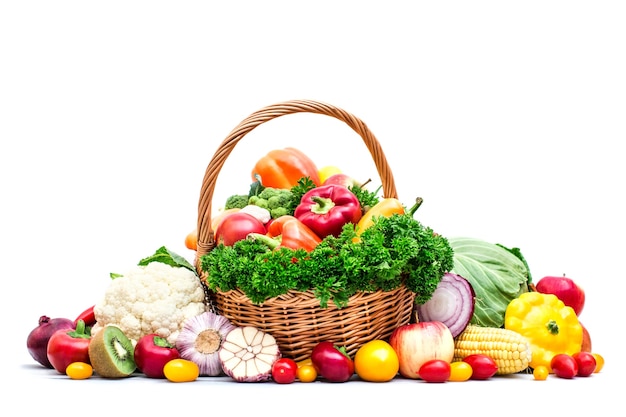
<point x="548" y="324"/>
<point x="385" y="207"/>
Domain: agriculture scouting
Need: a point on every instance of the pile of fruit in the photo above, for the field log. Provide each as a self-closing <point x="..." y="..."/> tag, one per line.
<point x="154" y="320"/>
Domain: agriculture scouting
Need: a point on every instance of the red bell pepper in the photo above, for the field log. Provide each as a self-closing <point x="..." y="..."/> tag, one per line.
<point x="289" y="232"/>
<point x="67" y="346"/>
<point x="152" y="352"/>
<point x="328" y="208"/>
<point x="331" y="362"/>
<point x="88" y="316"/>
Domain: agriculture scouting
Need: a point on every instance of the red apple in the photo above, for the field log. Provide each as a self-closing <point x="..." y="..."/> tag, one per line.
<point x="586" y="345"/>
<point x="417" y="343"/>
<point x="342" y="179"/>
<point x="565" y="289"/>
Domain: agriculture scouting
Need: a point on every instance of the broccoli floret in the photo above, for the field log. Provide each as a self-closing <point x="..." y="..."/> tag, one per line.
<point x="277" y="200"/>
<point x="258" y="201"/>
<point x="236" y="201"/>
<point x="279" y="211"/>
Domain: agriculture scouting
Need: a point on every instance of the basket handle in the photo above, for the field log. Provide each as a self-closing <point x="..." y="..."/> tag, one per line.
<point x="206" y="239"/>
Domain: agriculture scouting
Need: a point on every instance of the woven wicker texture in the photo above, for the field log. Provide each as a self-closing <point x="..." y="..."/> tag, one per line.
<point x="296" y="319"/>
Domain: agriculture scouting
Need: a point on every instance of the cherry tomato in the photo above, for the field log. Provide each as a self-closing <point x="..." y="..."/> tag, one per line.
<point x="79" y="370"/>
<point x="435" y="370"/>
<point x="460" y="371"/>
<point x="284" y="370"/>
<point x="181" y="370"/>
<point x="599" y="362"/>
<point x="237" y="226"/>
<point x="564" y="366"/>
<point x="376" y="361"/>
<point x="483" y="366"/>
<point x="540" y="373"/>
<point x="191" y="240"/>
<point x="306" y="373"/>
<point x="586" y="363"/>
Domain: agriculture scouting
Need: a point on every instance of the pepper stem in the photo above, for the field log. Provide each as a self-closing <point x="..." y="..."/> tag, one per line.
<point x="322" y="205"/>
<point x="270" y="242"/>
<point x="553" y="327"/>
<point x="418" y="203"/>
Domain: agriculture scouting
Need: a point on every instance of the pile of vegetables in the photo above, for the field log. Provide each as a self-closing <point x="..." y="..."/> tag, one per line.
<point x="477" y="312"/>
<point x="334" y="238"/>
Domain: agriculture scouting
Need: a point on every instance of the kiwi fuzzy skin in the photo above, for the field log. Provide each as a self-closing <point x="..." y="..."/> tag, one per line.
<point x="102" y="361"/>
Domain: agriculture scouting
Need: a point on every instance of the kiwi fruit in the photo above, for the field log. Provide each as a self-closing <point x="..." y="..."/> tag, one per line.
<point x="111" y="353"/>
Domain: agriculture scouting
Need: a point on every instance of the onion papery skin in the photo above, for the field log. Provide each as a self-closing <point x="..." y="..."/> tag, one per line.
<point x="201" y="339"/>
<point x="37" y="341"/>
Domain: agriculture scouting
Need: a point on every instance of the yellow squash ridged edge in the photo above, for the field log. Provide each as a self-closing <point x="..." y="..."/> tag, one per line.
<point x="510" y="350"/>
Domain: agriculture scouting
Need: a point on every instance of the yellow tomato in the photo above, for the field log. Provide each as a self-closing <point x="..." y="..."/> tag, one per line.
<point x="599" y="362"/>
<point x="540" y="373"/>
<point x="306" y="373"/>
<point x="460" y="371"/>
<point x="376" y="361"/>
<point x="181" y="370"/>
<point x="327" y="171"/>
<point x="79" y="370"/>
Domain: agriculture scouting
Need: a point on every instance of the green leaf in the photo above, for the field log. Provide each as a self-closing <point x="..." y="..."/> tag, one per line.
<point x="496" y="274"/>
<point x="168" y="257"/>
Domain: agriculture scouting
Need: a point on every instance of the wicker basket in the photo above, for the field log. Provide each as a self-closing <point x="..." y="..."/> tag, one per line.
<point x="296" y="319"/>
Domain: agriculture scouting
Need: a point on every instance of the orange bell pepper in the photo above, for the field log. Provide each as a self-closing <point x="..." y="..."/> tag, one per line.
<point x="293" y="233"/>
<point x="283" y="168"/>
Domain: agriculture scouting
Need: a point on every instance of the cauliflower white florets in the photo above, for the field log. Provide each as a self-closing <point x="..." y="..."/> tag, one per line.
<point x="156" y="298"/>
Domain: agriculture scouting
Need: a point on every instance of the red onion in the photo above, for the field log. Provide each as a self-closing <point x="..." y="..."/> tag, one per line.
<point x="452" y="303"/>
<point x="37" y="341"/>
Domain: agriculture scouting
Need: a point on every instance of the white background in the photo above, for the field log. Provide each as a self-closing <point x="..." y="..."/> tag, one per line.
<point x="508" y="118"/>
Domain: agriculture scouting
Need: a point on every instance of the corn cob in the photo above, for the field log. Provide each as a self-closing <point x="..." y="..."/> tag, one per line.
<point x="510" y="350"/>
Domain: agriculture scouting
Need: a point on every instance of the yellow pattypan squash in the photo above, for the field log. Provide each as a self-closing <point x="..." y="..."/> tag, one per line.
<point x="549" y="325"/>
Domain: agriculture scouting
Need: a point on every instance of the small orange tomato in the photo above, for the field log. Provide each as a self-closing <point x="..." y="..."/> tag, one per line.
<point x="79" y="370"/>
<point x="181" y="370"/>
<point x="540" y="373"/>
<point x="460" y="371"/>
<point x="376" y="361"/>
<point x="306" y="373"/>
<point x="599" y="362"/>
<point x="191" y="240"/>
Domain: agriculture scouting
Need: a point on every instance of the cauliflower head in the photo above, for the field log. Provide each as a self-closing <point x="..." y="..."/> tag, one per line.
<point x="155" y="298"/>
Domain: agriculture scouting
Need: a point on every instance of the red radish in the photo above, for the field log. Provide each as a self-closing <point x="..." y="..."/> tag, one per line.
<point x="452" y="303"/>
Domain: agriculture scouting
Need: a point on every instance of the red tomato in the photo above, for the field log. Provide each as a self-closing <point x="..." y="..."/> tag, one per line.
<point x="284" y="371"/>
<point x="237" y="226"/>
<point x="586" y="363"/>
<point x="435" y="370"/>
<point x="564" y="366"/>
<point x="483" y="366"/>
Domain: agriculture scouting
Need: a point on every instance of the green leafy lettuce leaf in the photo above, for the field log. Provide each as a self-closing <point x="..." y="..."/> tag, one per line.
<point x="497" y="274"/>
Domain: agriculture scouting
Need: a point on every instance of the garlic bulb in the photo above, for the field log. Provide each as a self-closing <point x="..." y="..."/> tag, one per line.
<point x="248" y="354"/>
<point x="200" y="340"/>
